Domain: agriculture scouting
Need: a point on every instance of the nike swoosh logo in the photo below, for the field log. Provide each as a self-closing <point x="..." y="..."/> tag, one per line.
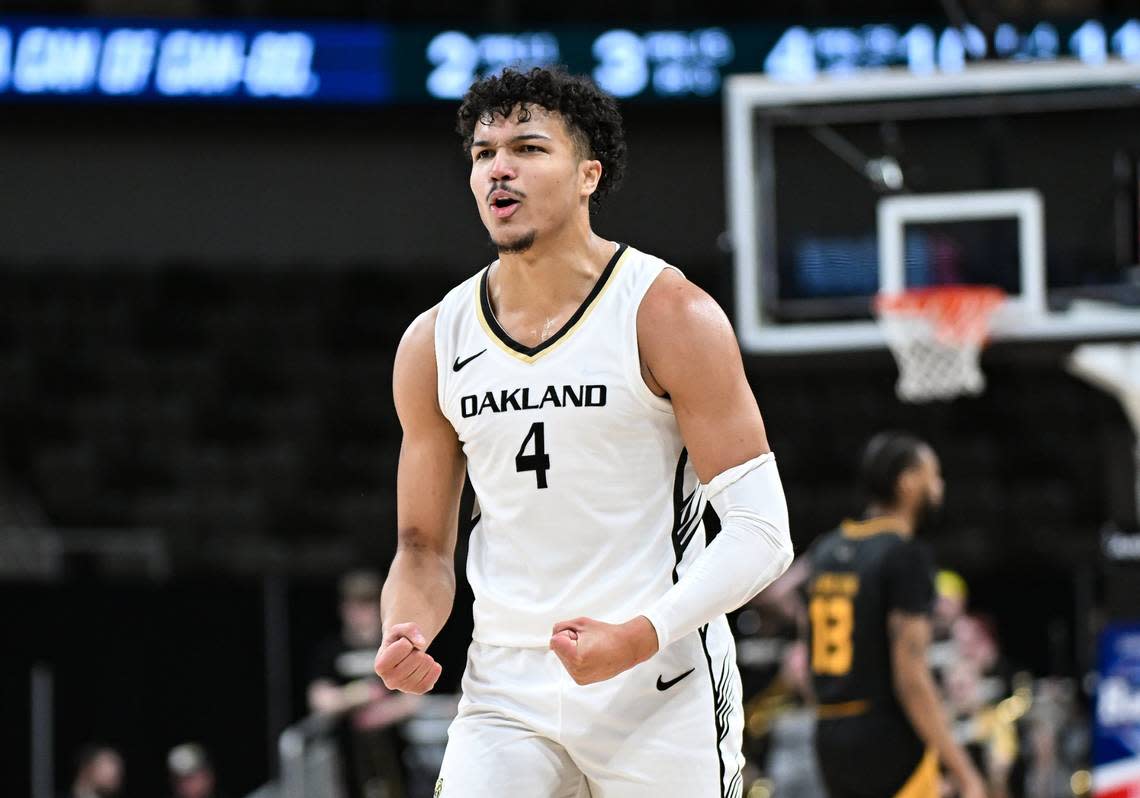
<point x="665" y="685"/>
<point x="461" y="363"/>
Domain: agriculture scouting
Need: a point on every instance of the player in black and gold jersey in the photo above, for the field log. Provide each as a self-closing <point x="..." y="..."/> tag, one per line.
<point x="881" y="731"/>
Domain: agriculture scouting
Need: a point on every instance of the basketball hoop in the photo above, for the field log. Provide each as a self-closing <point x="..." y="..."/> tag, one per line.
<point x="937" y="335"/>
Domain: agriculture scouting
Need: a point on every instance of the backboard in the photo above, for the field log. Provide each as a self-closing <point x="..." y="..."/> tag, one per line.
<point x="1018" y="175"/>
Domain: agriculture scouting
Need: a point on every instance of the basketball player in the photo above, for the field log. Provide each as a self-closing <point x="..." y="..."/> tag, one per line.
<point x="881" y="730"/>
<point x="597" y="400"/>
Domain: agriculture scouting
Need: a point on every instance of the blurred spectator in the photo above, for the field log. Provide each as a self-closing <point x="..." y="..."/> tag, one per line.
<point x="951" y="596"/>
<point x="191" y="772"/>
<point x="791" y="762"/>
<point x="98" y="773"/>
<point x="985" y="727"/>
<point x="1057" y="738"/>
<point x="344" y="683"/>
<point x="976" y="641"/>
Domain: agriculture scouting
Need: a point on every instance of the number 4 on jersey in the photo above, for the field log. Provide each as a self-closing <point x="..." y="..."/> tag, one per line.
<point x="539" y="461"/>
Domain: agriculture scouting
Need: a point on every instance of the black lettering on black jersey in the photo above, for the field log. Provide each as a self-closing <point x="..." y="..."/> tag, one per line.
<point x="860" y="574"/>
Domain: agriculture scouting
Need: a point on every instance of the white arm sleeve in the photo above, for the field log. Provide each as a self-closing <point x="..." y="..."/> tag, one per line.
<point x="753" y="548"/>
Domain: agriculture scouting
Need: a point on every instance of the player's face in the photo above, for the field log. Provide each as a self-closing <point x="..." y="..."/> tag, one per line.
<point x="931" y="486"/>
<point x="528" y="177"/>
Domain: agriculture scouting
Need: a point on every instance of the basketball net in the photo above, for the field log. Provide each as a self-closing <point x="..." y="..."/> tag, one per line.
<point x="937" y="335"/>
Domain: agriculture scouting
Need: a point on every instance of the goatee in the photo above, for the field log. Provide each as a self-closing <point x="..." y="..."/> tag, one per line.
<point x="516" y="245"/>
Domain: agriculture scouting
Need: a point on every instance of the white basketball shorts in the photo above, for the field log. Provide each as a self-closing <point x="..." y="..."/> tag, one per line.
<point x="672" y="726"/>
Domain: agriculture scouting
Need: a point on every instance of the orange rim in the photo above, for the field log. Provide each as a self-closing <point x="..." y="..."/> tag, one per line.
<point x="958" y="313"/>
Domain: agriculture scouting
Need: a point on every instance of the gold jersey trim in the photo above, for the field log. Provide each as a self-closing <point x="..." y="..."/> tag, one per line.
<point x="529" y="354"/>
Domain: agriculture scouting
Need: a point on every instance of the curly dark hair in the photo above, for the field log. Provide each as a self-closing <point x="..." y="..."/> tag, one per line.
<point x="590" y="114"/>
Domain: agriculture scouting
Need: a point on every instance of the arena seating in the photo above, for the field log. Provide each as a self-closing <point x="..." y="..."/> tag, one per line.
<point x="241" y="401"/>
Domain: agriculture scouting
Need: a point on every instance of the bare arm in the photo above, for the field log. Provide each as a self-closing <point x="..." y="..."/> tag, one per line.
<point x="914" y="687"/>
<point x="420" y="587"/>
<point x="690" y="353"/>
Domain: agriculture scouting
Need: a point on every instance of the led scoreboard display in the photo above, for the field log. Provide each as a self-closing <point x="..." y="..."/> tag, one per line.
<point x="155" y="61"/>
<point x="691" y="63"/>
<point x="152" y="61"/>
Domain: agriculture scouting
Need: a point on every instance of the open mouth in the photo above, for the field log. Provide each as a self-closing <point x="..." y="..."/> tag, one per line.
<point x="504" y="206"/>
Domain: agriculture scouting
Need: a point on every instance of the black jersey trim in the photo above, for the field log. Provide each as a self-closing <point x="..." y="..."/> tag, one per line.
<point x="678" y="500"/>
<point x="686" y="513"/>
<point x="686" y="521"/>
<point x="719" y="720"/>
<point x="533" y="351"/>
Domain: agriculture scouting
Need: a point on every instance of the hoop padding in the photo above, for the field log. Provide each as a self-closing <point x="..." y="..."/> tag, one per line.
<point x="937" y="335"/>
<point x="1114" y="367"/>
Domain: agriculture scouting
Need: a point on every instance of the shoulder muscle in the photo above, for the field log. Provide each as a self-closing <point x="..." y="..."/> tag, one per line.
<point x="678" y="320"/>
<point x="414" y="376"/>
<point x="689" y="349"/>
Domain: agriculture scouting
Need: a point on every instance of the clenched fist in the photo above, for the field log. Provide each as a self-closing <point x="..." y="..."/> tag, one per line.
<point x="403" y="662"/>
<point x="593" y="651"/>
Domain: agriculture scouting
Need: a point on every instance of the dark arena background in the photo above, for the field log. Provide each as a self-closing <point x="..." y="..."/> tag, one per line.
<point x="219" y="216"/>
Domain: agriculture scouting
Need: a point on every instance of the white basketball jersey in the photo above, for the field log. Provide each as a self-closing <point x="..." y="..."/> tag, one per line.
<point x="586" y="502"/>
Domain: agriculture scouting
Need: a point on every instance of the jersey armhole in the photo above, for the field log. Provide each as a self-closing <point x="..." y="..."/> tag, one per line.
<point x="440" y="373"/>
<point x="444" y="338"/>
<point x="636" y="380"/>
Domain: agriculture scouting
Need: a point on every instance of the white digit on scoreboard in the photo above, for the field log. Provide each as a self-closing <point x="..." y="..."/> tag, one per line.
<point x="455" y="57"/>
<point x="623" y="68"/>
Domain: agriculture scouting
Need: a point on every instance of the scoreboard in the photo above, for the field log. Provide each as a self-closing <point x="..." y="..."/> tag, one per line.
<point x="80" y="59"/>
